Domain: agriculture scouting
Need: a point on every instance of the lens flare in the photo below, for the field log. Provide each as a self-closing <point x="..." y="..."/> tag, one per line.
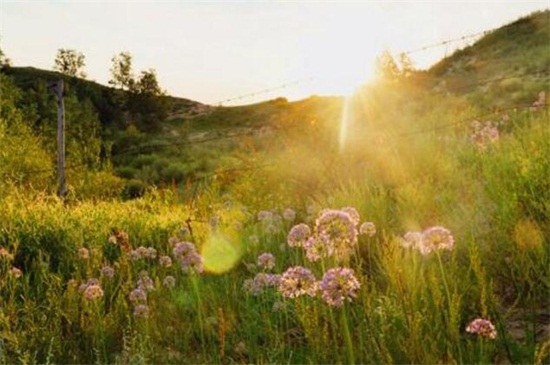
<point x="345" y="122"/>
<point x="220" y="254"/>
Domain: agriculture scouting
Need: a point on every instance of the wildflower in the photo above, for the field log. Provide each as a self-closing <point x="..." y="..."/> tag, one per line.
<point x="183" y="248"/>
<point x="90" y="282"/>
<point x="412" y="239"/>
<point x="142" y="251"/>
<point x="119" y="237"/>
<point x="368" y="229"/>
<point x="141" y="311"/>
<point x="169" y="282"/>
<point x="134" y="255"/>
<point x="108" y="271"/>
<point x="540" y="102"/>
<point x="261" y="281"/>
<point x="188" y="257"/>
<point x="482" y="327"/>
<point x="192" y="263"/>
<point x="314" y="249"/>
<point x="264" y="215"/>
<point x="93" y="292"/>
<point x="17" y="273"/>
<point x="5" y="254"/>
<point x="173" y="241"/>
<point x="254" y="240"/>
<point x="353" y="214"/>
<point x="484" y="134"/>
<point x="266" y="261"/>
<point x="83" y="253"/>
<point x="336" y="231"/>
<point x="435" y="238"/>
<point x="298" y="235"/>
<point x="297" y="281"/>
<point x="146" y="283"/>
<point x="138" y="295"/>
<point x="150" y="253"/>
<point x="338" y="285"/>
<point x="165" y="261"/>
<point x="289" y="214"/>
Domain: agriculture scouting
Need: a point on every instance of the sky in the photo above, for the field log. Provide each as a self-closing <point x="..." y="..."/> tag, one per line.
<point x="240" y="52"/>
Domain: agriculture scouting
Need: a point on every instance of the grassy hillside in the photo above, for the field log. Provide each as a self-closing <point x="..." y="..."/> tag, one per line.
<point x="509" y="63"/>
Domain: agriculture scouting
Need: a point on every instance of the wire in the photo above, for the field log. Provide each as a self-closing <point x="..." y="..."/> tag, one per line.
<point x="265" y="91"/>
<point x="449" y="41"/>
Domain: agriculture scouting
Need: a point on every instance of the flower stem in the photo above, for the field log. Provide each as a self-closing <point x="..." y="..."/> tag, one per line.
<point x="347" y="336"/>
<point x="448" y="294"/>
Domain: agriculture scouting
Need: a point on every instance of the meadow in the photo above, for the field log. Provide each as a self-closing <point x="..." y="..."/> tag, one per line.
<point x="406" y="223"/>
<point x="384" y="254"/>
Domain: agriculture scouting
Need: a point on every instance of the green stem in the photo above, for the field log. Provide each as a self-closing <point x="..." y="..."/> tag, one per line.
<point x="199" y="314"/>
<point x="347" y="337"/>
<point x="448" y="294"/>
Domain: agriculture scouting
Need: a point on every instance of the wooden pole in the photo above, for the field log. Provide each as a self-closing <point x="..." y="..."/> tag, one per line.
<point x="58" y="90"/>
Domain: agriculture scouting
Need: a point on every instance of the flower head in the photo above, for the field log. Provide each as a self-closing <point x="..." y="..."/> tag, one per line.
<point x="146" y="283"/>
<point x="108" y="271"/>
<point x="436" y="238"/>
<point x="16" y="273"/>
<point x="412" y="239"/>
<point x="266" y="261"/>
<point x="298" y="235"/>
<point x="289" y="214"/>
<point x="5" y="254"/>
<point x="368" y="229"/>
<point x="336" y="231"/>
<point x="353" y="214"/>
<point x="165" y="261"/>
<point x="83" y="253"/>
<point x="260" y="282"/>
<point x="169" y="281"/>
<point x="339" y="285"/>
<point x="138" y="295"/>
<point x="265" y="215"/>
<point x="93" y="292"/>
<point x="297" y="281"/>
<point x="482" y="327"/>
<point x="141" y="311"/>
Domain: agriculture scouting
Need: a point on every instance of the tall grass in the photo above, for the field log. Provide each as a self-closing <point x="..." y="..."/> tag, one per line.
<point x="408" y="307"/>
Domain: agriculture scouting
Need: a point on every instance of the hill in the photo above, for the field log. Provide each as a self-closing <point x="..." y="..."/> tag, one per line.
<point x="509" y="66"/>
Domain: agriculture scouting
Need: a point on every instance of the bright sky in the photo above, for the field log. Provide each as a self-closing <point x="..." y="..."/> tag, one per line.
<point x="212" y="51"/>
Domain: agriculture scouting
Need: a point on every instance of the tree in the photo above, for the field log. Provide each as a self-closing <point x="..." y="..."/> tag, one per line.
<point x="142" y="98"/>
<point x="70" y="62"/>
<point x="4" y="61"/>
<point x="148" y="83"/>
<point x="390" y="68"/>
<point x="386" y="67"/>
<point x="121" y="72"/>
<point x="405" y="65"/>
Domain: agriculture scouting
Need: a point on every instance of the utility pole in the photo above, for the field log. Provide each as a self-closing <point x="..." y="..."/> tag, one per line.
<point x="57" y="88"/>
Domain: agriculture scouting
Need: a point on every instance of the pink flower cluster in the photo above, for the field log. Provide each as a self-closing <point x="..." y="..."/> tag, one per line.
<point x="482" y="327"/>
<point x="484" y="134"/>
<point x="431" y="239"/>
<point x="188" y="257"/>
<point x="540" y="102"/>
